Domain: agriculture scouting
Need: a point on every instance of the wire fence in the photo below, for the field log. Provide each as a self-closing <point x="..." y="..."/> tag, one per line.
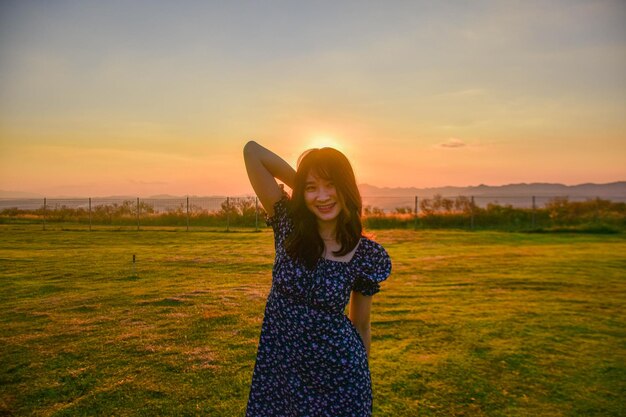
<point x="230" y="213"/>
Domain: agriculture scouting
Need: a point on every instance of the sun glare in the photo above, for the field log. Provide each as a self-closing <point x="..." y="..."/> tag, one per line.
<point x="324" y="142"/>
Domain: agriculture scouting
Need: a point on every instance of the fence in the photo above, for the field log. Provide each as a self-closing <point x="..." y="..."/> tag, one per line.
<point x="227" y="213"/>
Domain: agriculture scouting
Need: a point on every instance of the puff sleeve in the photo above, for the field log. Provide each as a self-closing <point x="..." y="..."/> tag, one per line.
<point x="374" y="267"/>
<point x="280" y="221"/>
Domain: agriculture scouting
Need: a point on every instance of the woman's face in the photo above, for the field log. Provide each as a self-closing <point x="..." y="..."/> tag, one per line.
<point x="321" y="198"/>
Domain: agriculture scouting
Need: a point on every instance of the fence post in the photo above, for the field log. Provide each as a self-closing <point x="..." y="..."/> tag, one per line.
<point x="137" y="213"/>
<point x="187" y="213"/>
<point x="90" y="214"/>
<point x="256" y="214"/>
<point x="533" y="213"/>
<point x="415" y="213"/>
<point x="472" y="214"/>
<point x="44" y="213"/>
<point x="227" y="214"/>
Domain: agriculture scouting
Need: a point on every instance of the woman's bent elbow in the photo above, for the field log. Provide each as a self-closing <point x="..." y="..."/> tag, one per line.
<point x="250" y="147"/>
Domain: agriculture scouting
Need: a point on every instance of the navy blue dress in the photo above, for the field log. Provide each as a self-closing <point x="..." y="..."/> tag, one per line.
<point x="311" y="360"/>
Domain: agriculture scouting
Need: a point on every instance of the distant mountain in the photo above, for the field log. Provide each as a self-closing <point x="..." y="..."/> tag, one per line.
<point x="167" y="196"/>
<point x="517" y="195"/>
<point x="613" y="189"/>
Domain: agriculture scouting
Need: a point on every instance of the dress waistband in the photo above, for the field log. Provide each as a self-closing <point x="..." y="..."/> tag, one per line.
<point x="278" y="296"/>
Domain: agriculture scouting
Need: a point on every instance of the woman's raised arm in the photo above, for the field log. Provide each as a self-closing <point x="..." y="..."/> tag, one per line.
<point x="263" y="167"/>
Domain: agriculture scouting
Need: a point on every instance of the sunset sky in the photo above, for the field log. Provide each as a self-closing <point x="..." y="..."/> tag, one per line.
<point x="153" y="97"/>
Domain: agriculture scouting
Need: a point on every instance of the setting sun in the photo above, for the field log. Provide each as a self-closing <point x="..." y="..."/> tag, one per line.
<point x="323" y="141"/>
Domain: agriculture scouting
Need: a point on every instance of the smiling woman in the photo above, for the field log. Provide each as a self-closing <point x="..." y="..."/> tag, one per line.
<point x="327" y="203"/>
<point x="312" y="359"/>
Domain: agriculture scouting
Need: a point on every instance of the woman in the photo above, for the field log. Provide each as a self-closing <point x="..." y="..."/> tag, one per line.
<point x="312" y="359"/>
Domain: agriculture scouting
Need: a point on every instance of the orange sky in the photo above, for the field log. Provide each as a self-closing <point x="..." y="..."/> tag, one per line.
<point x="98" y="99"/>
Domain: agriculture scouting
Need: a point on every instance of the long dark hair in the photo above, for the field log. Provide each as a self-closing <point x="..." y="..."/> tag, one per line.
<point x="305" y="243"/>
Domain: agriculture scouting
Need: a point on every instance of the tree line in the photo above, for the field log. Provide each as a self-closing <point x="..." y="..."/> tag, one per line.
<point x="435" y="212"/>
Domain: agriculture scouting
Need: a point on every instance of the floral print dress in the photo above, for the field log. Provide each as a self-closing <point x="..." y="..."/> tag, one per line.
<point x="311" y="360"/>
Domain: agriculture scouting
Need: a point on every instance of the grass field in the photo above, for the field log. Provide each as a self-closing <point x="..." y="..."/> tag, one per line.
<point x="468" y="324"/>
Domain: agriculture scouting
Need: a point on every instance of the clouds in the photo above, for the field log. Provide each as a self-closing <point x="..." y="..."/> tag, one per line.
<point x="452" y="143"/>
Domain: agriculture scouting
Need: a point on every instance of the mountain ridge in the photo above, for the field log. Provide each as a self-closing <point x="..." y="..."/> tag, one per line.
<point x="616" y="188"/>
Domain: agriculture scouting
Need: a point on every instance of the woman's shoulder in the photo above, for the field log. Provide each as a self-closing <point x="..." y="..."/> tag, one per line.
<point x="281" y="220"/>
<point x="373" y="263"/>
<point x="372" y="253"/>
<point x="372" y="247"/>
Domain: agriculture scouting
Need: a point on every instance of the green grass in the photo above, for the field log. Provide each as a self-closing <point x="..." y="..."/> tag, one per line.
<point x="468" y="324"/>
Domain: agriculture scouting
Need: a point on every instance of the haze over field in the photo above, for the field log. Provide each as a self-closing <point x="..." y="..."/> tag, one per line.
<point x="144" y="98"/>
